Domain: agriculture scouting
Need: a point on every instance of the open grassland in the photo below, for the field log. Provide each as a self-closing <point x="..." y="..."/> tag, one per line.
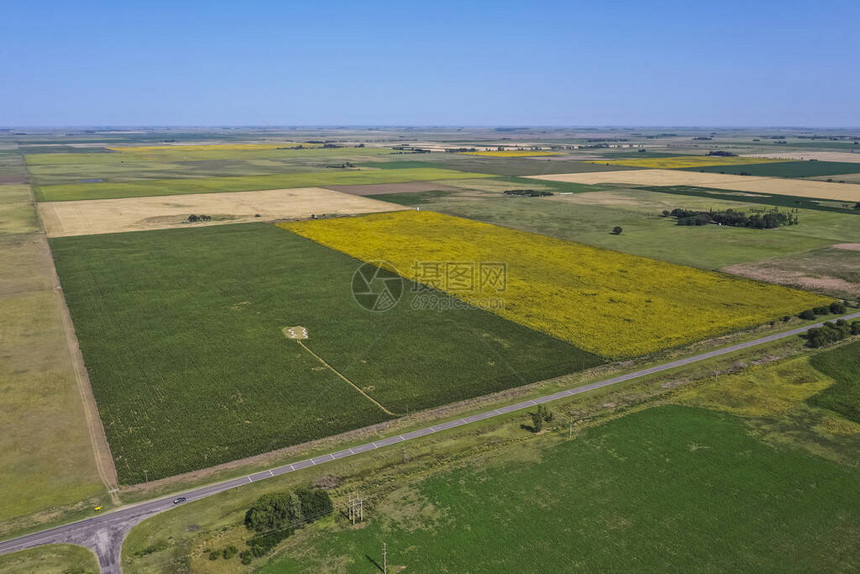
<point x="182" y="331"/>
<point x="832" y="271"/>
<point x="667" y="489"/>
<point x="113" y="167"/>
<point x="843" y="365"/>
<point x="51" y="559"/>
<point x="153" y="187"/>
<point x="17" y="215"/>
<point x="46" y="457"/>
<point x="752" y="200"/>
<point x="205" y="148"/>
<point x="786" y="169"/>
<point x="511" y="153"/>
<point x="589" y="217"/>
<point x="665" y="177"/>
<point x="684" y="161"/>
<point x="68" y="218"/>
<point x="609" y="303"/>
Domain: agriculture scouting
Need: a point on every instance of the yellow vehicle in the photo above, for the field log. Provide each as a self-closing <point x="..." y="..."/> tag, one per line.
<point x="98" y="508"/>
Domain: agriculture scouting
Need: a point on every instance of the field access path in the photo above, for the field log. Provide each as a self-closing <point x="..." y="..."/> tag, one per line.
<point x="104" y="533"/>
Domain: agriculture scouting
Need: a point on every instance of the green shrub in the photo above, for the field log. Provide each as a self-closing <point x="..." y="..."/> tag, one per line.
<point x="213" y="555"/>
<point x="837" y="307"/>
<point x="246" y="556"/>
<point x="230" y="551"/>
<point x="821" y="310"/>
<point x="808" y="315"/>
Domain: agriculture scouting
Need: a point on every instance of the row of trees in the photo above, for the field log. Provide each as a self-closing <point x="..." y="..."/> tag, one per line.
<point x="769" y="220"/>
<point x="528" y="192"/>
<point x="831" y="333"/>
<point x="835" y="308"/>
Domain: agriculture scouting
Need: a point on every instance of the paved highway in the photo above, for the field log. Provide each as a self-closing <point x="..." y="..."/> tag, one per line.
<point x="104" y="533"/>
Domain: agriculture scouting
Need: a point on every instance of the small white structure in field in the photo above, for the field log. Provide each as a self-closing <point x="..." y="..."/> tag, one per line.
<point x="295" y="332"/>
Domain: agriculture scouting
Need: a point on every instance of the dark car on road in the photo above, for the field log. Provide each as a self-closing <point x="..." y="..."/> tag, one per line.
<point x="179" y="500"/>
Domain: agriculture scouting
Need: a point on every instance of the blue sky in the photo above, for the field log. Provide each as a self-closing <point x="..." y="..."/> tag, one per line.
<point x="724" y="63"/>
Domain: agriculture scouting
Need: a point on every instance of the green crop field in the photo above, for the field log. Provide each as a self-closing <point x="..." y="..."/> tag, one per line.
<point x="670" y="489"/>
<point x="151" y="187"/>
<point x="504" y="166"/>
<point x="181" y="331"/>
<point x="784" y="169"/>
<point x="843" y="365"/>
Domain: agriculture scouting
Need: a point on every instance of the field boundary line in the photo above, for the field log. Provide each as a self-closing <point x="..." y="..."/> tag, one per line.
<point x="353" y="385"/>
<point x="101" y="449"/>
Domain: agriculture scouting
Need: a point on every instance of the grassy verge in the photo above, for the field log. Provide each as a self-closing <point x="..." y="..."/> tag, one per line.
<point x="51" y="559"/>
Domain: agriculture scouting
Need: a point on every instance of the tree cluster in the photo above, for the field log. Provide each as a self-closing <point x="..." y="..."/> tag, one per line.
<point x="195" y="218"/>
<point x="831" y="333"/>
<point x="528" y="192"/>
<point x="769" y="220"/>
<point x="721" y="153"/>
<point x="276" y="516"/>
<point x="542" y="415"/>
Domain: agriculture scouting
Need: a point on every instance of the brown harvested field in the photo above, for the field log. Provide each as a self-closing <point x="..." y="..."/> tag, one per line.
<point x="667" y="177"/>
<point x="833" y="271"/>
<point x="382" y="188"/>
<point x="842" y="156"/>
<point x="67" y="218"/>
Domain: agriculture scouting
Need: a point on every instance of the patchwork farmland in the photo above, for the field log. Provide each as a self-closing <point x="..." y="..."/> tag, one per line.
<point x="183" y="334"/>
<point x="266" y="327"/>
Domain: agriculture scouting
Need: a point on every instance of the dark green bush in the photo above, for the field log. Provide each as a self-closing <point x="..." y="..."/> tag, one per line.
<point x="230" y="551"/>
<point x="808" y="315"/>
<point x="837" y="307"/>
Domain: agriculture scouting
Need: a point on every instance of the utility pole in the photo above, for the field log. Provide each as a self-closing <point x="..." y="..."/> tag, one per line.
<point x="356" y="507"/>
<point x="384" y="558"/>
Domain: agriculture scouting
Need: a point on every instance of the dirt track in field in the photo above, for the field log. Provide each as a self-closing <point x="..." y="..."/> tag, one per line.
<point x="666" y="177"/>
<point x="68" y="218"/>
<point x="380" y="188"/>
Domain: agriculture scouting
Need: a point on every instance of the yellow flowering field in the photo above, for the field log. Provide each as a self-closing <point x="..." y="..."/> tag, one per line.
<point x="510" y="153"/>
<point x="684" y="161"/>
<point x="609" y="303"/>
